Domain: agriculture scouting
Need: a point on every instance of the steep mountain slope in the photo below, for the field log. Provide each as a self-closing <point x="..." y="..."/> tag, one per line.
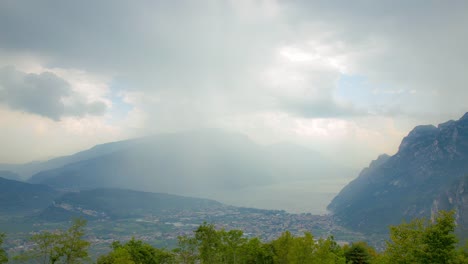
<point x="199" y="164"/>
<point x="19" y="197"/>
<point x="117" y="203"/>
<point x="419" y="179"/>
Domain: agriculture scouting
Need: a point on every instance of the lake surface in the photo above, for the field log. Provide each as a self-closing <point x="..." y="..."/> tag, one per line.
<point x="294" y="197"/>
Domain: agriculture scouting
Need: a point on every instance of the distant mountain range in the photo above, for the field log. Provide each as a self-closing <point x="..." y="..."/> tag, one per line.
<point x="9" y="175"/>
<point x="202" y="163"/>
<point x="428" y="173"/>
<point x="25" y="171"/>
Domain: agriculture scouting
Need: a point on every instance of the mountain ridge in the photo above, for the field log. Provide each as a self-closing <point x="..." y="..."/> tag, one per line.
<point x="429" y="161"/>
<point x="26" y="170"/>
<point x="197" y="164"/>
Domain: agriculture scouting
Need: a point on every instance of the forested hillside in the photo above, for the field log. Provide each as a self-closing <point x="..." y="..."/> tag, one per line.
<point x="19" y="197"/>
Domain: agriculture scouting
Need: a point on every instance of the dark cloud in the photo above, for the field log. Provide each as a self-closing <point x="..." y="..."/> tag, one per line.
<point x="218" y="48"/>
<point x="43" y="94"/>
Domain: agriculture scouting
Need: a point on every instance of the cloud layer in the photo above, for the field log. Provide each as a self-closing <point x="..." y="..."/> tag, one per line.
<point x="44" y="94"/>
<point x="277" y="70"/>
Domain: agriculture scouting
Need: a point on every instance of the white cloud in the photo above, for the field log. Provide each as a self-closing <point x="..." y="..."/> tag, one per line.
<point x="25" y="137"/>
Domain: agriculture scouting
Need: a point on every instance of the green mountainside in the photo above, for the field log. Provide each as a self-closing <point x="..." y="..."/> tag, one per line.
<point x="116" y="204"/>
<point x="45" y="203"/>
<point x="19" y="197"/>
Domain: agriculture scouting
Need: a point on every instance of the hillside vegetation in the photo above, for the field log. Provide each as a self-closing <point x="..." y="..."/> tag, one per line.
<point x="419" y="241"/>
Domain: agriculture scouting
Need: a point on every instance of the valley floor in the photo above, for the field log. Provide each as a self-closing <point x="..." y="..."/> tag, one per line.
<point x="163" y="230"/>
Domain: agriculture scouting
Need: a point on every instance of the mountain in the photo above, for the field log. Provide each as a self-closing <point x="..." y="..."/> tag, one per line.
<point x="9" y="175"/>
<point x="45" y="203"/>
<point x="427" y="174"/>
<point x="202" y="164"/>
<point x="20" y="197"/>
<point x="119" y="203"/>
<point x="25" y="171"/>
<point x="173" y="163"/>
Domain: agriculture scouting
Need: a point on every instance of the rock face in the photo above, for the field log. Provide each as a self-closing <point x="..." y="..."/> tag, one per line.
<point x="425" y="175"/>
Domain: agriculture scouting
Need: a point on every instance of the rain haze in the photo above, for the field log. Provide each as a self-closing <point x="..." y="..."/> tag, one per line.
<point x="330" y="85"/>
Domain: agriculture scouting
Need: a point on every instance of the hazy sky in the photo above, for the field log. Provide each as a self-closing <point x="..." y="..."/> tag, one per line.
<point x="347" y="78"/>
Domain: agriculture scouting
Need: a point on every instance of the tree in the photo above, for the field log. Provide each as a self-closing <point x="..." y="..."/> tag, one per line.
<point x="59" y="247"/>
<point x="328" y="251"/>
<point x="47" y="247"/>
<point x="422" y="241"/>
<point x="3" y="254"/>
<point x="290" y="249"/>
<point x="73" y="247"/>
<point x="359" y="253"/>
<point x="255" y="252"/>
<point x="209" y="242"/>
<point x="282" y="246"/>
<point x="405" y="245"/>
<point x="136" y="251"/>
<point x="117" y="256"/>
<point x="187" y="250"/>
<point x="231" y="243"/>
<point x="439" y="239"/>
<point x="462" y="254"/>
<point x="302" y="249"/>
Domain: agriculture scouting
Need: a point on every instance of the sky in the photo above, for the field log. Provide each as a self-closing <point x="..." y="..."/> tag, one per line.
<point x="347" y="78"/>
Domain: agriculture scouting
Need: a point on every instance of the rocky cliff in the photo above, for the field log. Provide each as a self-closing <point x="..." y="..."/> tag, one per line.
<point x="425" y="175"/>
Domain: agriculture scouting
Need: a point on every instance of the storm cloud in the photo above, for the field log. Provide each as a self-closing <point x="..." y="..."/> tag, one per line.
<point x="348" y="73"/>
<point x="43" y="94"/>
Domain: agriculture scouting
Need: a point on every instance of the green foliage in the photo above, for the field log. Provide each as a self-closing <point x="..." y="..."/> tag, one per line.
<point x="231" y="243"/>
<point x="58" y="247"/>
<point x="3" y="254"/>
<point x="138" y="252"/>
<point x="48" y="247"/>
<point x="462" y="254"/>
<point x="254" y="251"/>
<point x="220" y="246"/>
<point x="328" y="251"/>
<point x="359" y="253"/>
<point x="440" y="239"/>
<point x="421" y="241"/>
<point x="73" y="247"/>
<point x="290" y="249"/>
<point x="117" y="256"/>
<point x="302" y="249"/>
<point x="209" y="243"/>
<point x="187" y="250"/>
<point x="281" y="247"/>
